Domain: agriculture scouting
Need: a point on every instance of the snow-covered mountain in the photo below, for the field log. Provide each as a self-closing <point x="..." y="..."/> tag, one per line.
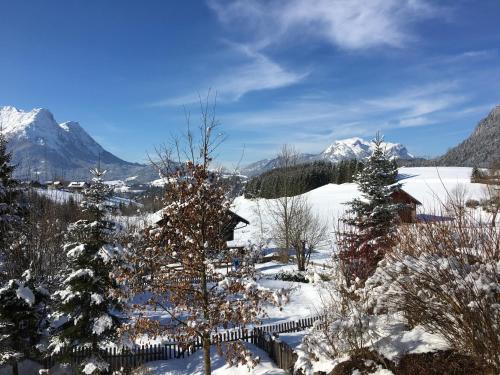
<point x="357" y="148"/>
<point x="44" y="149"/>
<point x="345" y="149"/>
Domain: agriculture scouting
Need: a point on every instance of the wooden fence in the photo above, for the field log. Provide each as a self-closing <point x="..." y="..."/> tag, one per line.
<point x="126" y="359"/>
<point x="281" y="353"/>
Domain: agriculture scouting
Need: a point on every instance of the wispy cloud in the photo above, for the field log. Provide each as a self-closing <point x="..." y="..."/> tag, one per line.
<point x="419" y="101"/>
<point x="353" y="24"/>
<point x="259" y="72"/>
<point x="312" y="124"/>
<point x="258" y="25"/>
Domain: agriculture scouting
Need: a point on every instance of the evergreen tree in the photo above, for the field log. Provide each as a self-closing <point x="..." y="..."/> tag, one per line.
<point x="476" y="175"/>
<point x="23" y="320"/>
<point x="10" y="214"/>
<point x="371" y="217"/>
<point x="87" y="299"/>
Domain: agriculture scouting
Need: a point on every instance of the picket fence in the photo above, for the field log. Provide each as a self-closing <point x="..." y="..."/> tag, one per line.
<point x="126" y="359"/>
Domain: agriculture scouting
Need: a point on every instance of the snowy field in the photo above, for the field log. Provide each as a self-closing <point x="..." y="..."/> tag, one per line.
<point x="430" y="185"/>
<point x="62" y="196"/>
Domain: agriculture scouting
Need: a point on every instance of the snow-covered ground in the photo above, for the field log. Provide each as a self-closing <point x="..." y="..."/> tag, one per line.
<point x="430" y="185"/>
<point x="62" y="196"/>
<point x="194" y="365"/>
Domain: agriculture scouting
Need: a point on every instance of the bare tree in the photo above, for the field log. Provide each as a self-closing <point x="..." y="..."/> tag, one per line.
<point x="262" y="233"/>
<point x="307" y="232"/>
<point x="283" y="209"/>
<point x="491" y="201"/>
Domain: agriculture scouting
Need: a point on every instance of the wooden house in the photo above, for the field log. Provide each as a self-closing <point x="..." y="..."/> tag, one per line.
<point x="408" y="211"/>
<point x="77" y="186"/>
<point x="55" y="185"/>
<point x="228" y="229"/>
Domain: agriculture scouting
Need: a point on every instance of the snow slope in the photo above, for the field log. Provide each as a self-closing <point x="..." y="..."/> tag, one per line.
<point x="430" y="185"/>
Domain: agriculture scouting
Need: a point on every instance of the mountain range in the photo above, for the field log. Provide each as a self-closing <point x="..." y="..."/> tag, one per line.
<point x="44" y="149"/>
<point x="345" y="149"/>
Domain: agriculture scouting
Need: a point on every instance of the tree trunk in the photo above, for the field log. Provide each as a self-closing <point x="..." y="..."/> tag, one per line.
<point x="15" y="369"/>
<point x="301" y="256"/>
<point x="206" y="355"/>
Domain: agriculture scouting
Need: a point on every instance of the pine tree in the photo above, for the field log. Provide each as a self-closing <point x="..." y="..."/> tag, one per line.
<point x="371" y="217"/>
<point x="87" y="299"/>
<point x="23" y="320"/>
<point x="476" y="175"/>
<point x="10" y="214"/>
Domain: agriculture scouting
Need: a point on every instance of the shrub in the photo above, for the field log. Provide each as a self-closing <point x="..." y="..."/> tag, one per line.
<point x="444" y="276"/>
<point x="291" y="276"/>
<point x="472" y="203"/>
<point x="443" y="362"/>
<point x="345" y="327"/>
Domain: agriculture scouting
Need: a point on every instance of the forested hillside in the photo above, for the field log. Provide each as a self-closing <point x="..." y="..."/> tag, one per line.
<point x="301" y="178"/>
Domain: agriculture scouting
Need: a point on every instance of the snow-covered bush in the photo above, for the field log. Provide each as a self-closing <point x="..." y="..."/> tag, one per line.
<point x="445" y="277"/>
<point x="345" y="326"/>
<point x="293" y="276"/>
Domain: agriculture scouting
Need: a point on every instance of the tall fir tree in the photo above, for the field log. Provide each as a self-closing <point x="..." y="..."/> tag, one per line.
<point x="22" y="305"/>
<point x="23" y="321"/>
<point x="10" y="214"/>
<point x="372" y="217"/>
<point x="87" y="300"/>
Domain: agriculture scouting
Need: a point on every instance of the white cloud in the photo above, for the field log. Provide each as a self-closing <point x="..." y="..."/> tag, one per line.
<point x="260" y="73"/>
<point x="257" y="73"/>
<point x="311" y="124"/>
<point x="415" y="121"/>
<point x="419" y="101"/>
<point x="349" y="24"/>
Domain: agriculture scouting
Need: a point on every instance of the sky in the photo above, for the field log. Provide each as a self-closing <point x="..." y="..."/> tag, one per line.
<point x="301" y="72"/>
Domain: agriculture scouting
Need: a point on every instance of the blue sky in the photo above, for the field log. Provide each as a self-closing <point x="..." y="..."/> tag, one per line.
<point x="303" y="72"/>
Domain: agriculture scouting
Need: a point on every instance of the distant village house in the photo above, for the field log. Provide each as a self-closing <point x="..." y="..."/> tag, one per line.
<point x="77" y="186"/>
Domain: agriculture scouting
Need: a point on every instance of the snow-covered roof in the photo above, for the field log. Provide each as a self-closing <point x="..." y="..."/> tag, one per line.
<point x="77" y="184"/>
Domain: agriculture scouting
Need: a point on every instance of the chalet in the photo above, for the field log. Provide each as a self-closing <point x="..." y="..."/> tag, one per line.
<point x="228" y="228"/>
<point x="408" y="211"/>
<point x="55" y="185"/>
<point x="77" y="186"/>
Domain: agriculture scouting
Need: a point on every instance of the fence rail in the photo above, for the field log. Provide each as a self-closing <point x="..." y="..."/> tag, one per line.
<point x="126" y="359"/>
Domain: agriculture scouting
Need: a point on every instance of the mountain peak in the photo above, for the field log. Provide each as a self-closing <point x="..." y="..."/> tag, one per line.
<point x="41" y="146"/>
<point x="358" y="148"/>
<point x="342" y="149"/>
